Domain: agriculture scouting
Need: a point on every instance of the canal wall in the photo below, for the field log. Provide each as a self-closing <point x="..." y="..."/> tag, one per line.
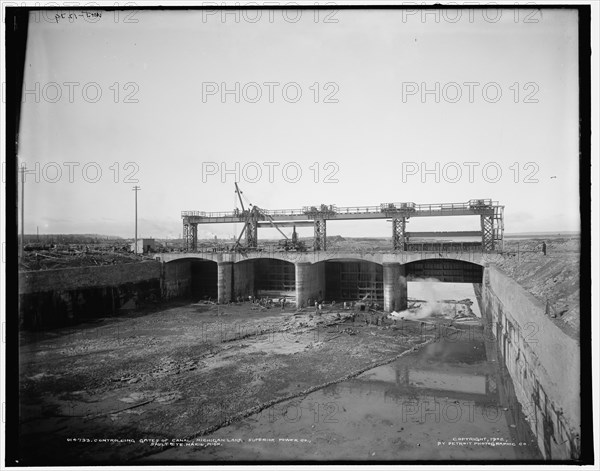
<point x="53" y="298"/>
<point x="543" y="362"/>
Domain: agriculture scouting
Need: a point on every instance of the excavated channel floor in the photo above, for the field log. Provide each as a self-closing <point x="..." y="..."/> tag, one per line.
<point x="446" y="401"/>
<point x="194" y="382"/>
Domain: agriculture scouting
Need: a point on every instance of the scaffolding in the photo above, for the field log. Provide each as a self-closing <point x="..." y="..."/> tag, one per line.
<point x="352" y="281"/>
<point x="190" y="236"/>
<point x="320" y="242"/>
<point x="275" y="276"/>
<point x="498" y="228"/>
<point x="399" y="233"/>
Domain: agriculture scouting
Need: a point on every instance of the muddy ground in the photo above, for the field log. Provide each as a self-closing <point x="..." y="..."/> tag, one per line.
<point x="171" y="383"/>
<point x="181" y="370"/>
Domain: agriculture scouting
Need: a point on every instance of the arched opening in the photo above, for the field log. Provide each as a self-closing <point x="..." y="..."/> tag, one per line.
<point x="445" y="270"/>
<point x="203" y="279"/>
<point x="190" y="278"/>
<point x="274" y="278"/>
<point x="353" y="280"/>
<point x="443" y="288"/>
<point x="264" y="277"/>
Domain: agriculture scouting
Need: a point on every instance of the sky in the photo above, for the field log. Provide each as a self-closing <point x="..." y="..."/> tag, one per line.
<point x="347" y="107"/>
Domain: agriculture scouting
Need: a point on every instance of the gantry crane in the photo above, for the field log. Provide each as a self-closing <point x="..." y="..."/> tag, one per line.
<point x="490" y="212"/>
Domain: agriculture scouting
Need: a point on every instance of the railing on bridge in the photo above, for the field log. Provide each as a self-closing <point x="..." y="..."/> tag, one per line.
<point x="240" y="214"/>
<point x="358" y="209"/>
<point x="474" y="205"/>
<point x="425" y="247"/>
<point x="444" y="247"/>
<point x="283" y="212"/>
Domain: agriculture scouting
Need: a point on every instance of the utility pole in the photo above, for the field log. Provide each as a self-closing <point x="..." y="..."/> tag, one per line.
<point x="136" y="189"/>
<point x="23" y="168"/>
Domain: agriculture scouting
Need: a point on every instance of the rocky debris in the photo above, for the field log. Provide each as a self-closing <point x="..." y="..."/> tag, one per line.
<point x="350" y="331"/>
<point x="50" y="260"/>
<point x="312" y="319"/>
<point x="166" y="367"/>
<point x="168" y="398"/>
<point x="137" y="397"/>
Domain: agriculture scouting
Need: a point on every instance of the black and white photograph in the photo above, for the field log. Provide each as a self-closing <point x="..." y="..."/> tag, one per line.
<point x="300" y="233"/>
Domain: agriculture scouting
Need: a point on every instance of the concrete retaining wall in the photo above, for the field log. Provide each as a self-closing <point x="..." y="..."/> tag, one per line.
<point x="543" y="362"/>
<point x="52" y="298"/>
<point x="86" y="277"/>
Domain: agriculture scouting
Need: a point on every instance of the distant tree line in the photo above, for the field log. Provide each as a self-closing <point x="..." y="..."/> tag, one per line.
<point x="71" y="239"/>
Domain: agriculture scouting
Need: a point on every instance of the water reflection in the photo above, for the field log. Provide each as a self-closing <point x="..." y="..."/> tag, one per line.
<point x="451" y="400"/>
<point x="449" y="386"/>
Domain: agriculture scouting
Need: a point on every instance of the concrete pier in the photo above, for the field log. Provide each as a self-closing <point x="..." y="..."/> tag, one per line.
<point x="310" y="282"/>
<point x="224" y="282"/>
<point x="394" y="287"/>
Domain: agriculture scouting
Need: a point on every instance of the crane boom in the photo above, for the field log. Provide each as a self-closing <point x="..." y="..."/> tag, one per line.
<point x="239" y="193"/>
<point x="249" y="215"/>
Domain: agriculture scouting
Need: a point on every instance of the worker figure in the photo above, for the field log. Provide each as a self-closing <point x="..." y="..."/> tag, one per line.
<point x="544" y="247"/>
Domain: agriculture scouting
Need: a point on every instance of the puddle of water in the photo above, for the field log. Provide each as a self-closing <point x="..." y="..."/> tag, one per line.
<point x="444" y="402"/>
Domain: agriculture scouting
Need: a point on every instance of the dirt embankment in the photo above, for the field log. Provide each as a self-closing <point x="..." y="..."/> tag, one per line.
<point x="552" y="278"/>
<point x="52" y="260"/>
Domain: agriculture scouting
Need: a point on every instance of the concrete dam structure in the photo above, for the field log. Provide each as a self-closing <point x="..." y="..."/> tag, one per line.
<point x="340" y="276"/>
<point x="329" y="274"/>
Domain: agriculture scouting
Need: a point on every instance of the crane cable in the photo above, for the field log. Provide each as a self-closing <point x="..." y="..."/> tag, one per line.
<point x="234" y="207"/>
<point x="262" y="211"/>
